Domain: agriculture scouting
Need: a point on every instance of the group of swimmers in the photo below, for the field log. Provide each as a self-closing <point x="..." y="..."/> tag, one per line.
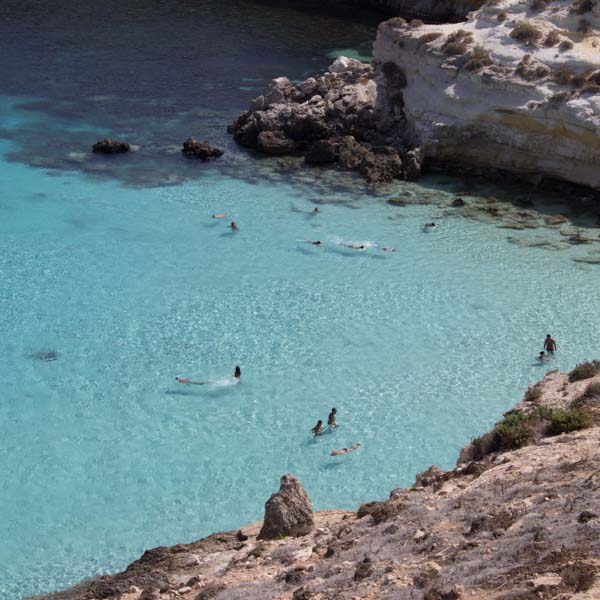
<point x="549" y="346"/>
<point x="318" y="430"/>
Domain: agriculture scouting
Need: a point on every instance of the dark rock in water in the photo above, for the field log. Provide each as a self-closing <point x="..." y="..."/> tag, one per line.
<point x="288" y="512"/>
<point x="458" y="203"/>
<point x="342" y="117"/>
<point x="412" y="162"/>
<point x="351" y="153"/>
<point x="275" y="143"/>
<point x="381" y="166"/>
<point x="45" y="356"/>
<point x="322" y="152"/>
<point x="110" y="146"/>
<point x="192" y="148"/>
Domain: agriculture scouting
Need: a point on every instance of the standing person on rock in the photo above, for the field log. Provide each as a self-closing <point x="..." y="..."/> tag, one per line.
<point x="550" y="345"/>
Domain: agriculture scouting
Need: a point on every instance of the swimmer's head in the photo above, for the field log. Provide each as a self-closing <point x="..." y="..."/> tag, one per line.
<point x="542" y="354"/>
<point x="334" y="410"/>
<point x="238" y="372"/>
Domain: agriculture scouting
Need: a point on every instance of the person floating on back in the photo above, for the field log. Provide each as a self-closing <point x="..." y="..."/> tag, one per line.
<point x="314" y="243"/>
<point x="346" y="450"/>
<point x="428" y="226"/>
<point x="220" y="215"/>
<point x="331" y="418"/>
<point x="234" y="226"/>
<point x="318" y="428"/>
<point x="542" y="357"/>
<point x="550" y="345"/>
<point x="236" y="375"/>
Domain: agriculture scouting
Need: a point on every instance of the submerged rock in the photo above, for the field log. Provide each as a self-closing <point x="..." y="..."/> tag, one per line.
<point x="192" y="148"/>
<point x="110" y="146"/>
<point x="45" y="356"/>
<point x="288" y="512"/>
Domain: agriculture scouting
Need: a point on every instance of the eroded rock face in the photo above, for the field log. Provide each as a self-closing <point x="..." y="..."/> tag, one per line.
<point x="513" y="88"/>
<point x="288" y="512"/>
<point x="110" y="146"/>
<point x="192" y="148"/>
<point x="350" y="117"/>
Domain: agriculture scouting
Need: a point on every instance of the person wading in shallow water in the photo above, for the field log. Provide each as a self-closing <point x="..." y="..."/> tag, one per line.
<point x="550" y="345"/>
<point x="234" y="226"/>
<point x="318" y="428"/>
<point x="331" y="418"/>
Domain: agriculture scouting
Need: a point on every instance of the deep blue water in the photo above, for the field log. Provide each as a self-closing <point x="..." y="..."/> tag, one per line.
<point x="116" y="267"/>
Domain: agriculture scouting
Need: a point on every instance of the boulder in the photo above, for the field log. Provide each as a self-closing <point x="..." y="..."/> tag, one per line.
<point x="350" y="152"/>
<point x="342" y="64"/>
<point x="411" y="162"/>
<point x="110" y="146"/>
<point x="288" y="512"/>
<point x="275" y="142"/>
<point x="381" y="166"/>
<point x="322" y="152"/>
<point x="192" y="148"/>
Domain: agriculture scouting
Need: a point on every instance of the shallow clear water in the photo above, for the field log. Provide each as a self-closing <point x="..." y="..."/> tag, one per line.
<point x="103" y="454"/>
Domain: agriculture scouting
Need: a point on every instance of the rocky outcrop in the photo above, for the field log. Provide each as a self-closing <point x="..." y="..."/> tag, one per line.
<point x="192" y="148"/>
<point x="516" y="87"/>
<point x="288" y="512"/>
<point x="350" y="117"/>
<point x="517" y="523"/>
<point x="110" y="146"/>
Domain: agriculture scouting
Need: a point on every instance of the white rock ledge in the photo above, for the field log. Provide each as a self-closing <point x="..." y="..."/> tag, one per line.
<point x="502" y="115"/>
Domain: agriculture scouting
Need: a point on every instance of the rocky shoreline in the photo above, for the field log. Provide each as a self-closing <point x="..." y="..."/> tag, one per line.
<point x="513" y="89"/>
<point x="517" y="519"/>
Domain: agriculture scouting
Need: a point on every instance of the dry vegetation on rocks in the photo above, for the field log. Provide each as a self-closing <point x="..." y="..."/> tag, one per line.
<point x="508" y="525"/>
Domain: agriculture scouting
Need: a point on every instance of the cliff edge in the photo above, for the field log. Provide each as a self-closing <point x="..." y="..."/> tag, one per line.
<point x="516" y="87"/>
<point x="518" y="519"/>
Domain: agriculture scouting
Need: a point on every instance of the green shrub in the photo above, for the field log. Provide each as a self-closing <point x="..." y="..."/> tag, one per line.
<point x="562" y="76"/>
<point x="585" y="371"/>
<point x="592" y="390"/>
<point x="566" y="421"/>
<point x="479" y="58"/>
<point x="551" y="39"/>
<point x="210" y="591"/>
<point x="558" y="99"/>
<point x="429" y="37"/>
<point x="501" y="16"/>
<point x="457" y="43"/>
<point x="533" y="393"/>
<point x="526" y="32"/>
<point x="257" y="551"/>
<point x="416" y="23"/>
<point x="565" y="45"/>
<point x="513" y="431"/>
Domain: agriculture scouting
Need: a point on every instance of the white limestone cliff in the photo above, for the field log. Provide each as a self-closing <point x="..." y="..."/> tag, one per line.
<point x="479" y="93"/>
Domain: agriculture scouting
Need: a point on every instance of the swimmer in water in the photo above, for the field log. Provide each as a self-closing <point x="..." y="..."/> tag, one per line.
<point x="316" y="211"/>
<point x="318" y="428"/>
<point x="188" y="382"/>
<point x="316" y="243"/>
<point x="385" y="249"/>
<point x="428" y="225"/>
<point x="331" y="418"/>
<point x="220" y="215"/>
<point x="542" y="357"/>
<point x="236" y="375"/>
<point x="346" y="450"/>
<point x="234" y="226"/>
<point x="353" y="246"/>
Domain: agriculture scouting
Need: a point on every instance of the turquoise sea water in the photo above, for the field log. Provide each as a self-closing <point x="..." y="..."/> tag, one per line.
<point x="103" y="454"/>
